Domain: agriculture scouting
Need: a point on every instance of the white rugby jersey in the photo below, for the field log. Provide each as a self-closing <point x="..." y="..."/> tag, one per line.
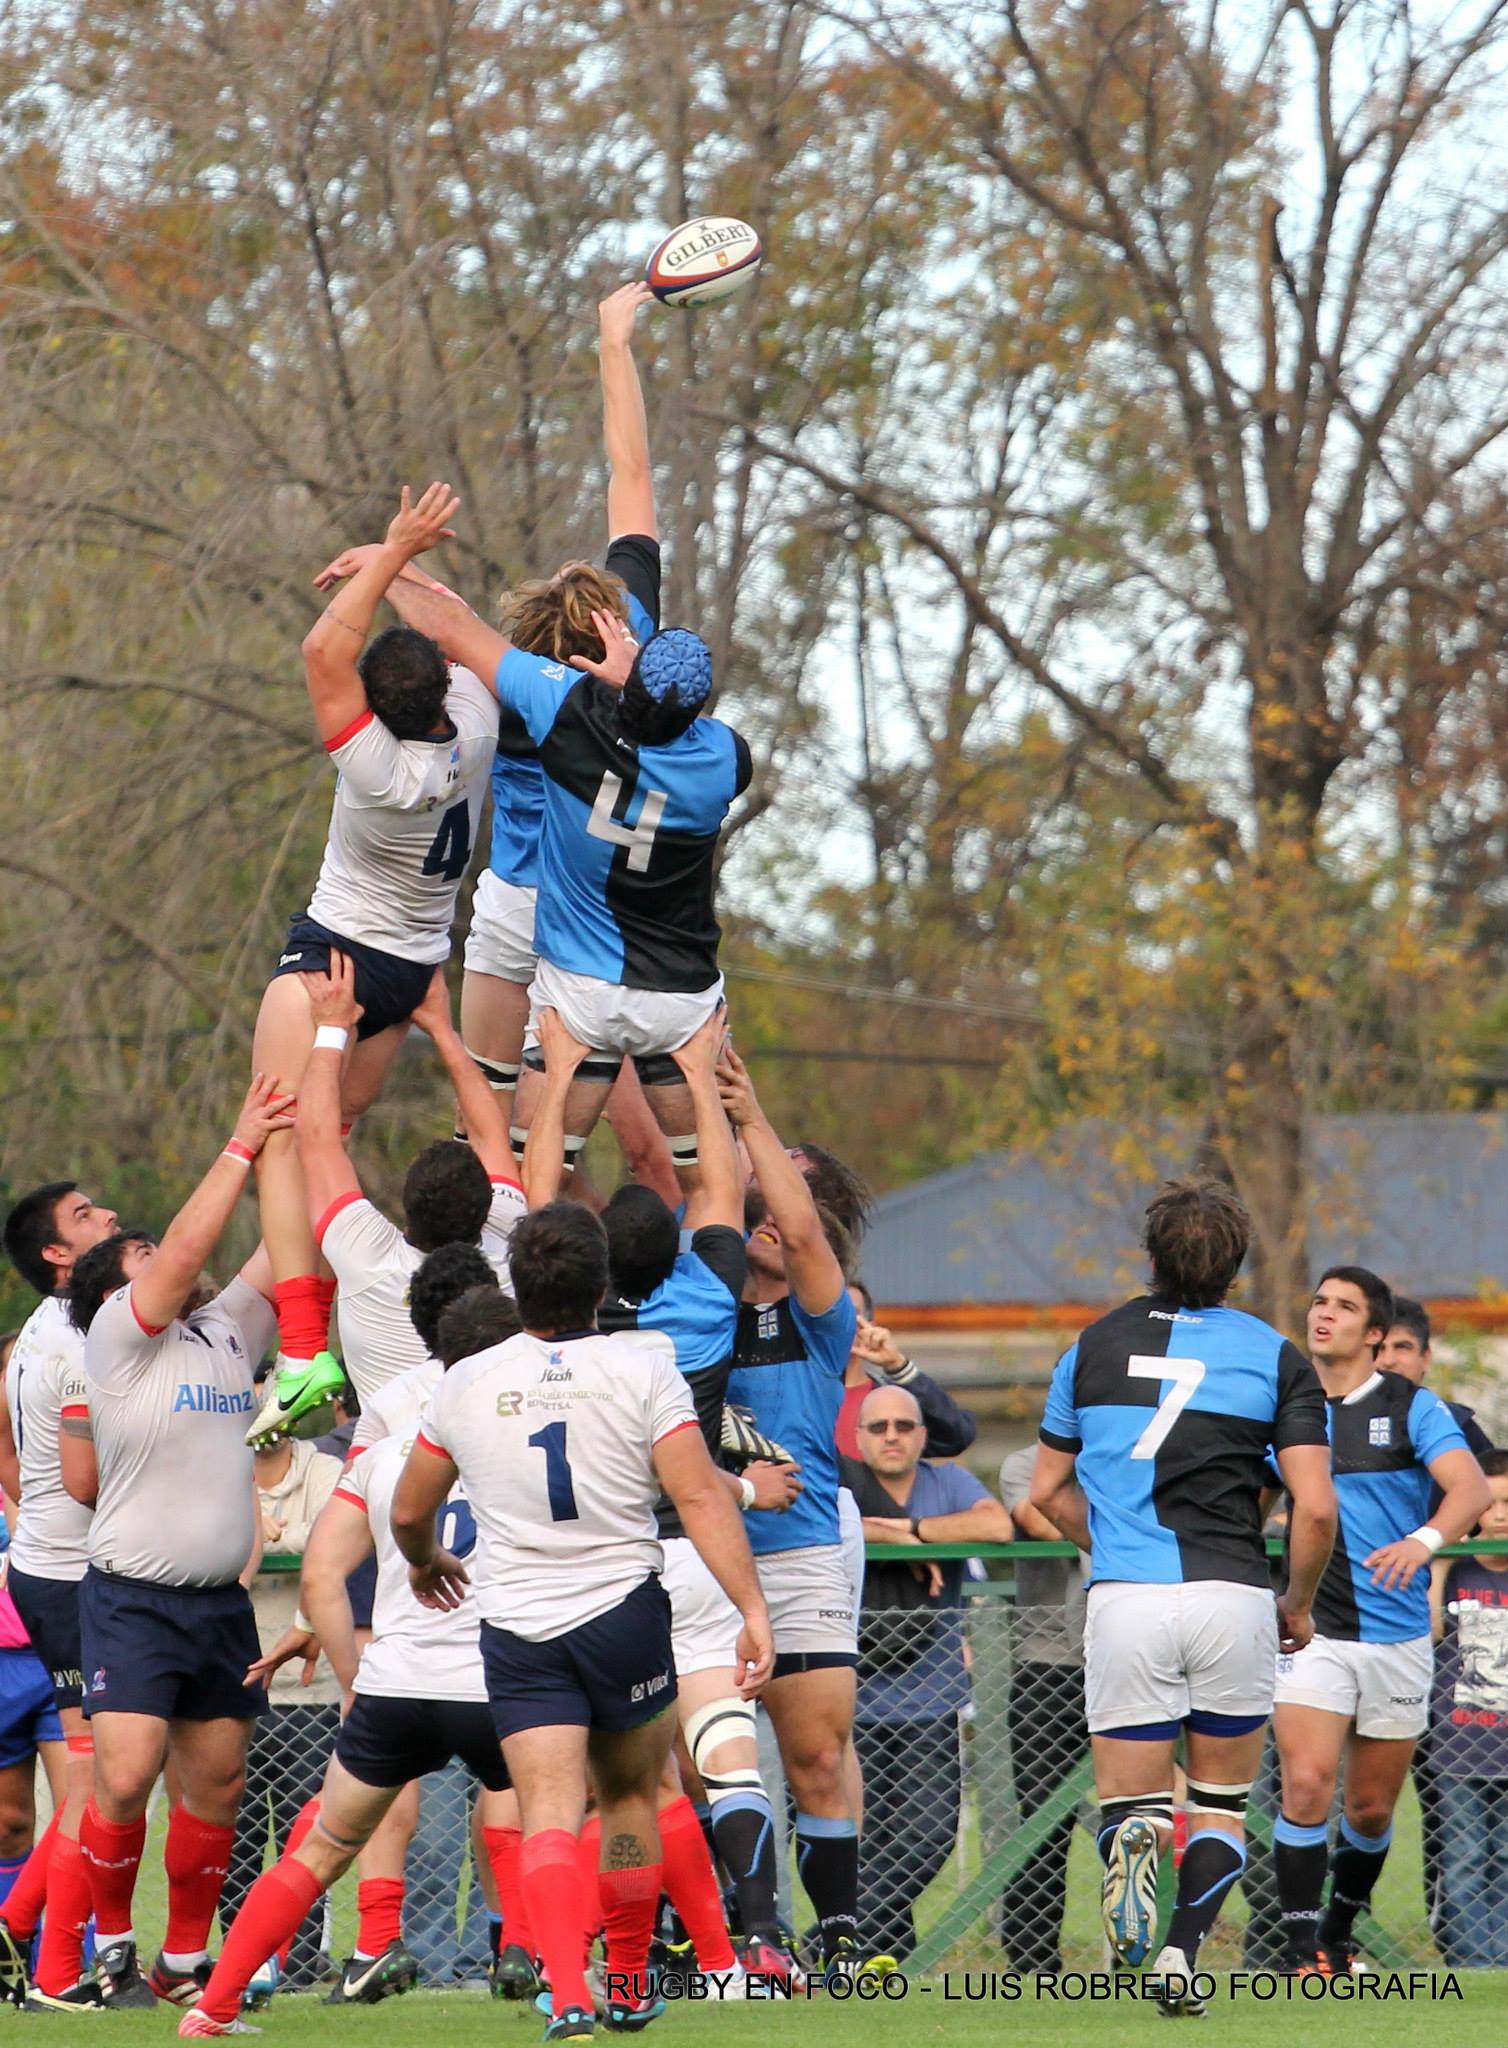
<point x="553" y="1440"/>
<point x="416" y="1652"/>
<point x="373" y="1263"/>
<point x="46" y="1375"/>
<point x="397" y="1408"/>
<point x="404" y="824"/>
<point x="169" y="1410"/>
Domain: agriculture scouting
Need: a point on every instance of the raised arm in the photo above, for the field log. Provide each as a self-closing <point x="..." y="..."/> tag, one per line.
<point x="165" y="1283"/>
<point x="328" y="1172"/>
<point x="544" y="1148"/>
<point x="811" y="1265"/>
<point x="453" y="626"/>
<point x="339" y="633"/>
<point x="478" y="1107"/>
<point x="719" y="1198"/>
<point x="630" y="483"/>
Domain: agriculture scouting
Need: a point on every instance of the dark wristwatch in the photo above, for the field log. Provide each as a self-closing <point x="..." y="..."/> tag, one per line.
<point x="916" y="1527"/>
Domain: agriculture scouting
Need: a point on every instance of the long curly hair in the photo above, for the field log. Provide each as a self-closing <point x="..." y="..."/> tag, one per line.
<point x="552" y="615"/>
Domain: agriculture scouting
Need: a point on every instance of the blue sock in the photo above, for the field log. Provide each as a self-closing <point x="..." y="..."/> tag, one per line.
<point x="10" y="1870"/>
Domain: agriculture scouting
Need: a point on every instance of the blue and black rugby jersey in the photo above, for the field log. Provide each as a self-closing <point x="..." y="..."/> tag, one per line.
<point x="630" y="833"/>
<point x="695" y="1308"/>
<point x="1170" y="1414"/>
<point x="518" y="781"/>
<point x="788" y="1369"/>
<point x="1383" y="1435"/>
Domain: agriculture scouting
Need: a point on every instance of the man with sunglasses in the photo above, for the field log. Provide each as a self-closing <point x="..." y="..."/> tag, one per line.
<point x="912" y="1680"/>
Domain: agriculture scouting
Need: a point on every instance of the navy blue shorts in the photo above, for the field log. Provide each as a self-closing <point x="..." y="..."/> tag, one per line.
<point x="386" y="1741"/>
<point x="612" y="1673"/>
<point x="49" y="1611"/>
<point x="179" y="1653"/>
<point x="388" y="988"/>
<point x="28" y="1711"/>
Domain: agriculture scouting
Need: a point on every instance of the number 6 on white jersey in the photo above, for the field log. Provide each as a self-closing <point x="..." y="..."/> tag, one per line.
<point x="1185" y="1373"/>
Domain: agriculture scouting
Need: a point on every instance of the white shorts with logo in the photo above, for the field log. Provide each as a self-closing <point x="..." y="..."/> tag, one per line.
<point x="704" y="1623"/>
<point x="1383" y="1687"/>
<point x="501" y="939"/>
<point x="810" y="1598"/>
<point x="1161" y="1653"/>
<point x="636" y="1022"/>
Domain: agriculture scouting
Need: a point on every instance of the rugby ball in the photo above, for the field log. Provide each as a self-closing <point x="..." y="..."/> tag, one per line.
<point x="703" y="260"/>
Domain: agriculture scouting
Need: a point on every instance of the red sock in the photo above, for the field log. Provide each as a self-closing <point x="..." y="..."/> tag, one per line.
<point x="60" y="1956"/>
<point x="552" y="1894"/>
<point x="379" y="1911"/>
<point x="304" y="1820"/>
<point x="303" y="1319"/>
<point x="112" y="1854"/>
<point x="23" y="1905"/>
<point x="588" y="1856"/>
<point x="692" y="1884"/>
<point x="503" y="1846"/>
<point x="326" y="1298"/>
<point x="274" y="1907"/>
<point x="194" y="1857"/>
<point x="630" y="1900"/>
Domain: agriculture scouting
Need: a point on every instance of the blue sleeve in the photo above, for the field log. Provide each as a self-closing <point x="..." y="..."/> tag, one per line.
<point x="535" y="689"/>
<point x="1060" y="1418"/>
<point x="1433" y="1430"/>
<point x="830" y="1336"/>
<point x="950" y="1429"/>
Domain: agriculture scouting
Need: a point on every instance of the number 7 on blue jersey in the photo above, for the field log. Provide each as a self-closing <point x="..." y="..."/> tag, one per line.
<point x="1185" y="1373"/>
<point x="562" y="1495"/>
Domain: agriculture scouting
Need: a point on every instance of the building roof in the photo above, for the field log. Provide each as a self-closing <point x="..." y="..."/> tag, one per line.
<point x="1419" y="1198"/>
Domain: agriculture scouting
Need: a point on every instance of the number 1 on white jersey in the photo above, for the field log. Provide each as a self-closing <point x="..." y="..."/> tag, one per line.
<point x="1185" y="1374"/>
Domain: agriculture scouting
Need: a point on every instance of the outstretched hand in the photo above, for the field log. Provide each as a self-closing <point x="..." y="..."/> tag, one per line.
<point x="700" y="1053"/>
<point x="740" y="1103"/>
<point x="417" y="528"/>
<point x="620" y="651"/>
<point x="617" y="312"/>
<point x="264" y="1111"/>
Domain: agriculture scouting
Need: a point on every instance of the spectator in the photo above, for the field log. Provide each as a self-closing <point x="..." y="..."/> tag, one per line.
<point x="913" y="1681"/>
<point x="1468" y="1742"/>
<point x="1049" y="1736"/>
<point x="291" y="1745"/>
<point x="877" y="1360"/>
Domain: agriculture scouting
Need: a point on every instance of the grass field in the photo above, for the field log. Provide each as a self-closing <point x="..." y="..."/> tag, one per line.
<point x="938" y="2012"/>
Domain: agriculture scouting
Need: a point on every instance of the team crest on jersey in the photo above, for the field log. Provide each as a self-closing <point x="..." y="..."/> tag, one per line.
<point x="1380" y="1432"/>
<point x="769" y="1321"/>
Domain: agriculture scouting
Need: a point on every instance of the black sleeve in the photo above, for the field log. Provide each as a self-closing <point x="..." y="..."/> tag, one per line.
<point x="721" y="1251"/>
<point x="743" y="764"/>
<point x="950" y="1429"/>
<point x="1477" y="1439"/>
<point x="636" y="558"/>
<point x="1300" y="1417"/>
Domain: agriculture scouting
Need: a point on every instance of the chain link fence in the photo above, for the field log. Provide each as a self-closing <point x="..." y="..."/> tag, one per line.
<point x="977" y="1848"/>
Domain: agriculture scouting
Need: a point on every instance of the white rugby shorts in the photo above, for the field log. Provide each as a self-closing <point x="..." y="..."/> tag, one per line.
<point x="634" y="1022"/>
<point x="1383" y="1687"/>
<point x="810" y="1598"/>
<point x="704" y="1623"/>
<point x="1161" y="1653"/>
<point x="501" y="939"/>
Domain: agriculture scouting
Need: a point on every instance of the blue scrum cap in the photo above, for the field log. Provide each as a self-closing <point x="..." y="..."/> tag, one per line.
<point x="676" y="668"/>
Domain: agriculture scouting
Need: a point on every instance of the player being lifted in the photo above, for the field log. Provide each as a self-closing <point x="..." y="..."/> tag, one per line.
<point x="1361" y="1688"/>
<point x="636" y="787"/>
<point x="413" y="742"/>
<point x="1153" y="1458"/>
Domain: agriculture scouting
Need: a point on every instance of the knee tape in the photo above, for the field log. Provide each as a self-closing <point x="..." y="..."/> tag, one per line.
<point x="1227" y="1799"/>
<point x="1156" y="1807"/>
<point x="500" y="1073"/>
<point x="707" y="1729"/>
<point x="683" y="1150"/>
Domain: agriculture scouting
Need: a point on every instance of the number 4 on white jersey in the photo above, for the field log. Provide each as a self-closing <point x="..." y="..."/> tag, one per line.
<point x="1185" y="1373"/>
<point x="638" y="838"/>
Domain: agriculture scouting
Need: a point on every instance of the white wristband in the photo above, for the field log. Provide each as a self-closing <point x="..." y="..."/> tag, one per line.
<point x="746" y="1495"/>
<point x="1429" y="1536"/>
<point x="331" y="1038"/>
